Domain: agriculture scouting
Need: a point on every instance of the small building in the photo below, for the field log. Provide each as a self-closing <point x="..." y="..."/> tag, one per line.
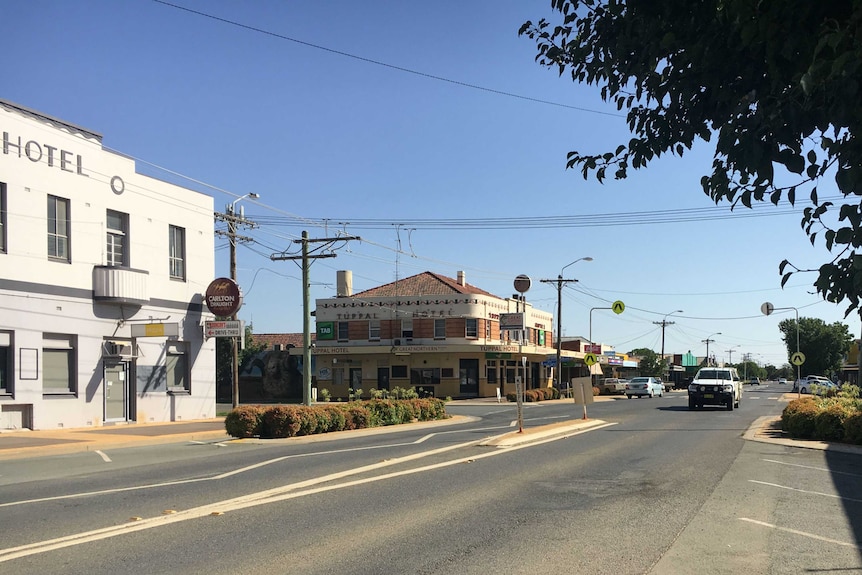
<point x="436" y="334"/>
<point x="102" y="275"/>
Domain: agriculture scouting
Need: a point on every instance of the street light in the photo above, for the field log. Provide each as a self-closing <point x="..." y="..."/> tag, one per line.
<point x="232" y="221"/>
<point x="767" y="308"/>
<point x="664" y="323"/>
<point x="707" y="340"/>
<point x="559" y="281"/>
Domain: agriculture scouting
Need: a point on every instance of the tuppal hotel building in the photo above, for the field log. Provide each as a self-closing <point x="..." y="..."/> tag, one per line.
<point x="102" y="275"/>
<point x="439" y="335"/>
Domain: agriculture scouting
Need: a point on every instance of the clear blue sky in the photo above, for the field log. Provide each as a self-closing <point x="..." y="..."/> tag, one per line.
<point x="397" y="112"/>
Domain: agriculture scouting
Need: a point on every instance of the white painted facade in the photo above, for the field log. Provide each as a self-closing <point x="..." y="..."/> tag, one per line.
<point x="99" y="324"/>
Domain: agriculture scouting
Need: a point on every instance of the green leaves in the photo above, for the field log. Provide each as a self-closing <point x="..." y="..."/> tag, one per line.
<point x="777" y="83"/>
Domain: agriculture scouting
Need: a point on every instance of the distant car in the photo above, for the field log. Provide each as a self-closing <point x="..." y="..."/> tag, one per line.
<point x="782" y="380"/>
<point x="753" y="381"/>
<point x="640" y="386"/>
<point x="612" y="385"/>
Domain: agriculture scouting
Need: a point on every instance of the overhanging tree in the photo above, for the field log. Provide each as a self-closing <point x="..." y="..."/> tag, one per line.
<point x="824" y="345"/>
<point x="775" y="84"/>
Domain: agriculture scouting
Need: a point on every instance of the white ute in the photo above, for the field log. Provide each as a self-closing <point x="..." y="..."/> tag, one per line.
<point x="715" y="386"/>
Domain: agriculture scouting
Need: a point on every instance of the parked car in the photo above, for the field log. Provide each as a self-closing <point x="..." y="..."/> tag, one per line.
<point x="782" y="380"/>
<point x="648" y="386"/>
<point x="612" y="385"/>
<point x="753" y="381"/>
<point x="806" y="384"/>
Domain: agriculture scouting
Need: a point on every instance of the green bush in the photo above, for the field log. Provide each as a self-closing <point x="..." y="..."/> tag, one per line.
<point x="244" y="421"/>
<point x="829" y="422"/>
<point x="336" y="418"/>
<point x="799" y="422"/>
<point x="358" y="417"/>
<point x="281" y="421"/>
<point x="853" y="429"/>
<point x="792" y="408"/>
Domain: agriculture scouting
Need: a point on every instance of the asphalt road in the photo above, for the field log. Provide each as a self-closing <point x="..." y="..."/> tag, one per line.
<point x="656" y="489"/>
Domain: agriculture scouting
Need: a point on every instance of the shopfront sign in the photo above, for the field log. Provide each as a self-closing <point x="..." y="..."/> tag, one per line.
<point x="223" y="297"/>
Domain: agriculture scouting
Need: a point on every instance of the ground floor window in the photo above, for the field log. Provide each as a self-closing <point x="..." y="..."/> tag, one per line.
<point x="5" y="362"/>
<point x="177" y="366"/>
<point x="425" y="376"/>
<point x="58" y="364"/>
<point x="399" y="372"/>
<point x="491" y="371"/>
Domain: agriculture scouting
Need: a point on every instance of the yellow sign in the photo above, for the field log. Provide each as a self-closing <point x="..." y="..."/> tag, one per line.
<point x="797" y="358"/>
<point x="618" y="307"/>
<point x="590" y="359"/>
<point x="154" y="329"/>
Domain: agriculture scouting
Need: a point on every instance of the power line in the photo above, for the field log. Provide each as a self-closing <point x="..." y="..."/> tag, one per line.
<point x="386" y="64"/>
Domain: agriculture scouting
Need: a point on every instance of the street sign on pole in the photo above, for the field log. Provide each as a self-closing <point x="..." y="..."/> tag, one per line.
<point x="230" y="328"/>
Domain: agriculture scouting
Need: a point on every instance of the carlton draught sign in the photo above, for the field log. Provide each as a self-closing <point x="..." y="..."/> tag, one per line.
<point x="223" y="297"/>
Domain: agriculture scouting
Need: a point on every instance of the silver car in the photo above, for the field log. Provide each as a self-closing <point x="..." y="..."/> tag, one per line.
<point x="648" y="386"/>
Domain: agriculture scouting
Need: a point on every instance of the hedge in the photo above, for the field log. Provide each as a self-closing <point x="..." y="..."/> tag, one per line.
<point x="279" y="421"/>
<point x="825" y="418"/>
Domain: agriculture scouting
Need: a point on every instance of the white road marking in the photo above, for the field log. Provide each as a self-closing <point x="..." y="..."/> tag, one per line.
<point x="813" y="467"/>
<point x="104" y="456"/>
<point x="285" y="492"/>
<point x="806" y="491"/>
<point x="803" y="533"/>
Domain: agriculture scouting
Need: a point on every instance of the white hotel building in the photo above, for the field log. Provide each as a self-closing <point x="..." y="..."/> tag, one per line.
<point x="102" y="276"/>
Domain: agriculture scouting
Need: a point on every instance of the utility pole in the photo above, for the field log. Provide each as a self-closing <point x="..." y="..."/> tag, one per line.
<point x="558" y="365"/>
<point x="233" y="221"/>
<point x="664" y="323"/>
<point x="707" y="341"/>
<point x="560" y="281"/>
<point x="306" y="300"/>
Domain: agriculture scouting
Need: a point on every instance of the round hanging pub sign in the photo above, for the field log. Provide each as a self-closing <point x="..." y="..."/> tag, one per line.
<point x="223" y="297"/>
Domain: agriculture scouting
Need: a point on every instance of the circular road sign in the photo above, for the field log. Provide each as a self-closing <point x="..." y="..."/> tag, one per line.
<point x="522" y="283"/>
<point x="798" y="358"/>
<point x="590" y="359"/>
<point x="618" y="307"/>
<point x="767" y="308"/>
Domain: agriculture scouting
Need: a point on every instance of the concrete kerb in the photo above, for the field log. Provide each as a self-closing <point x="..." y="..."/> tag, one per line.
<point x="767" y="429"/>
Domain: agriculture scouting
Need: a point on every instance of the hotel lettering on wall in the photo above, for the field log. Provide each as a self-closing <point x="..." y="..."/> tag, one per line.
<point x="36" y="152"/>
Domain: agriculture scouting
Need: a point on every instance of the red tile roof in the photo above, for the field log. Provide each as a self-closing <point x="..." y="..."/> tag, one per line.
<point x="423" y="284"/>
<point x="273" y="339"/>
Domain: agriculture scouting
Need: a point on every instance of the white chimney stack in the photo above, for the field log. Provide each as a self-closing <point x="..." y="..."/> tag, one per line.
<point x="462" y="279"/>
<point x="344" y="283"/>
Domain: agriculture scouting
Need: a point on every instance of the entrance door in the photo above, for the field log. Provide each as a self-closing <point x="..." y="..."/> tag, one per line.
<point x="116" y="390"/>
<point x="382" y="378"/>
<point x="469" y="370"/>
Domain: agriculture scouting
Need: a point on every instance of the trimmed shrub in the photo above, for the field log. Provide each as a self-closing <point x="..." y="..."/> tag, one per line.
<point x="853" y="429"/>
<point x="829" y="422"/>
<point x="336" y="418"/>
<point x="358" y="417"/>
<point x="511" y="397"/>
<point x="244" y="421"/>
<point x="800" y="420"/>
<point x="531" y="395"/>
<point x="792" y="408"/>
<point x="280" y="421"/>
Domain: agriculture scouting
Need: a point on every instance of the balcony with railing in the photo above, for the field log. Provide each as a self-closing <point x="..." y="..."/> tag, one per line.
<point x="114" y="284"/>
